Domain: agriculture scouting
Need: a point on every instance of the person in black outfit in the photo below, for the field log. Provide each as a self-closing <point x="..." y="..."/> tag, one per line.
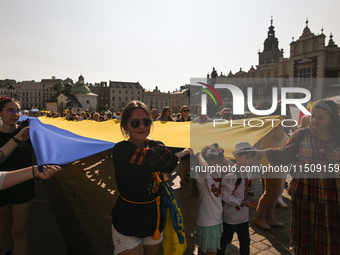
<point x="15" y="202"/>
<point x="139" y="163"/>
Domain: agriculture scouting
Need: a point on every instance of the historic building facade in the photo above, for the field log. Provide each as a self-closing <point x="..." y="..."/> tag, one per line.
<point x="155" y="99"/>
<point x="179" y="98"/>
<point x="79" y="98"/>
<point x="31" y="95"/>
<point x="121" y="93"/>
<point x="104" y="94"/>
<point x="48" y="92"/>
<point x="4" y="91"/>
<point x="310" y="58"/>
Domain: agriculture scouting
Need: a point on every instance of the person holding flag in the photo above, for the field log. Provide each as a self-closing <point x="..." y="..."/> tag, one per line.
<point x="17" y="186"/>
<point x="138" y="164"/>
<point x="315" y="221"/>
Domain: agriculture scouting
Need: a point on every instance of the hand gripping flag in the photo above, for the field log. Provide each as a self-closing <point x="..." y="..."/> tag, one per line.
<point x="55" y="146"/>
<point x="58" y="141"/>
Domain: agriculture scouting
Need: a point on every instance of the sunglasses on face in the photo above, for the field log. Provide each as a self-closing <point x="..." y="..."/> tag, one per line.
<point x="135" y="123"/>
<point x="11" y="111"/>
<point x="186" y="110"/>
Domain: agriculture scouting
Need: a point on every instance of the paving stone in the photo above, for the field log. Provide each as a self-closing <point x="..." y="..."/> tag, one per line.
<point x="274" y="251"/>
<point x="265" y="253"/>
<point x="253" y="250"/>
<point x="260" y="245"/>
<point x="265" y="241"/>
<point x="92" y="199"/>
<point x="257" y="237"/>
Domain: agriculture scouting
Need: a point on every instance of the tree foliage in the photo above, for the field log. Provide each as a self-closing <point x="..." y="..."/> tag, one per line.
<point x="59" y="88"/>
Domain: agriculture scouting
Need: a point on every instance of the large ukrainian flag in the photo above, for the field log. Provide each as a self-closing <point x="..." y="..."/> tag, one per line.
<point x="58" y="141"/>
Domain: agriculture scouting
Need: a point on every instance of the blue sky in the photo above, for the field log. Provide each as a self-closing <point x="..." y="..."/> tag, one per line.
<point x="158" y="43"/>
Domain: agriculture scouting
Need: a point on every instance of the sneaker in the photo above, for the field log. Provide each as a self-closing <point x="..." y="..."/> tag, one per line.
<point x="261" y="224"/>
<point x="274" y="224"/>
<point x="281" y="203"/>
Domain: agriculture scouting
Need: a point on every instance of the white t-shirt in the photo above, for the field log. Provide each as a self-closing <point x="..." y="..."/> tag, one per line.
<point x="198" y="119"/>
<point x="209" y="208"/>
<point x="233" y="199"/>
<point x="2" y="178"/>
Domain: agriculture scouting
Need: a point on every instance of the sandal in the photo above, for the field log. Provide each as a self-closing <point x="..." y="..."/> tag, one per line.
<point x="183" y="183"/>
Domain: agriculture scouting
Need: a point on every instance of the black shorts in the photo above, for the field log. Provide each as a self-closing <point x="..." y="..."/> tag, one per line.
<point x="19" y="194"/>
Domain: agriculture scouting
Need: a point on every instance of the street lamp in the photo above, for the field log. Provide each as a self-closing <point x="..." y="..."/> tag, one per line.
<point x="11" y="90"/>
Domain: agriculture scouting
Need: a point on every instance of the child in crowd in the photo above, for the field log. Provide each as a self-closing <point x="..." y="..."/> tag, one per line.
<point x="235" y="197"/>
<point x="207" y="187"/>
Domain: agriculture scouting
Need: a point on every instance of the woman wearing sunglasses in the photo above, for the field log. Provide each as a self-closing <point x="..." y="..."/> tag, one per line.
<point x="15" y="202"/>
<point x="185" y="114"/>
<point x="138" y="164"/>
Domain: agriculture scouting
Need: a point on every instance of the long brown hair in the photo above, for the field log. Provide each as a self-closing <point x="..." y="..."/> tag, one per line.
<point x="7" y="100"/>
<point x="164" y="110"/>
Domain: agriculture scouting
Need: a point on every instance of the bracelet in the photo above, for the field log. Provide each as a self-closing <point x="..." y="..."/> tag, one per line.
<point x="16" y="140"/>
<point x="33" y="171"/>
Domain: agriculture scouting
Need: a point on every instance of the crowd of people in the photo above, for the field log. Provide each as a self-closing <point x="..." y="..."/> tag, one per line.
<point x="141" y="163"/>
<point x="315" y="210"/>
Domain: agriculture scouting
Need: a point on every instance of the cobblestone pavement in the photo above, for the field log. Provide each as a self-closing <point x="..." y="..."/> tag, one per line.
<point x="86" y="192"/>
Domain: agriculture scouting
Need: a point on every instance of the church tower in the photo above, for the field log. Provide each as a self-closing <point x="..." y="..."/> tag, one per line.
<point x="271" y="52"/>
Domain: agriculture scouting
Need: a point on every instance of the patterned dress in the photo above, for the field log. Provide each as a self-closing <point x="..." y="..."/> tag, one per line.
<point x="315" y="223"/>
<point x="135" y="212"/>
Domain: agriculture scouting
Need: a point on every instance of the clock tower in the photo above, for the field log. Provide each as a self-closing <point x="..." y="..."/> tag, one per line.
<point x="271" y="52"/>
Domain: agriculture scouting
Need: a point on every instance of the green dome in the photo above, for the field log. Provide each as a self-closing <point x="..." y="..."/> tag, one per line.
<point x="81" y="89"/>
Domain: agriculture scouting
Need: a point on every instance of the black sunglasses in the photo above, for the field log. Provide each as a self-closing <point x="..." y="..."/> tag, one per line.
<point x="135" y="123"/>
<point x="186" y="110"/>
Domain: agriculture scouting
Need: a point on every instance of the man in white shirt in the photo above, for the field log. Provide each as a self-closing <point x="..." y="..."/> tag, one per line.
<point x="201" y="118"/>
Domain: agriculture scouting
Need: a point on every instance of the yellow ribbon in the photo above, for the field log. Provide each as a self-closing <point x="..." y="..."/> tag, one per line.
<point x="157" y="234"/>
